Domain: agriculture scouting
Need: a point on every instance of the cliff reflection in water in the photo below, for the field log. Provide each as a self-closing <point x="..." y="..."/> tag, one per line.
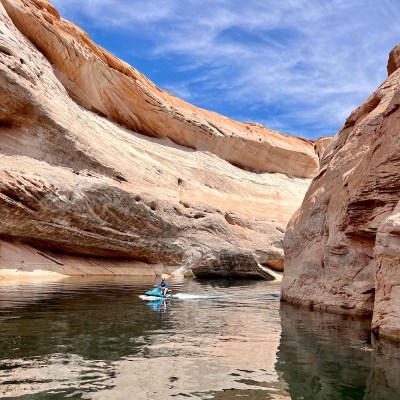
<point x="324" y="356"/>
<point x="383" y="382"/>
<point x="96" y="338"/>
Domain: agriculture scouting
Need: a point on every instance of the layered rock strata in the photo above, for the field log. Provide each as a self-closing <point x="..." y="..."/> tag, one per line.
<point x="99" y="164"/>
<point x="342" y="245"/>
<point x="104" y="84"/>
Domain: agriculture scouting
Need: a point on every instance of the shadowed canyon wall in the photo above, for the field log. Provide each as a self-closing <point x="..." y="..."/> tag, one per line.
<point x="342" y="247"/>
<point x="99" y="165"/>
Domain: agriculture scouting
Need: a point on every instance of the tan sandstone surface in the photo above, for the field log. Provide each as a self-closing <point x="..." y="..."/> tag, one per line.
<point x="101" y="172"/>
<point x="106" y="85"/>
<point x="321" y="144"/>
<point x="342" y="247"/>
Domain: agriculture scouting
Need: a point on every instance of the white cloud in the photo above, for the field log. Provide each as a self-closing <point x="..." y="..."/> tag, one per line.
<point x="120" y="14"/>
<point x="313" y="59"/>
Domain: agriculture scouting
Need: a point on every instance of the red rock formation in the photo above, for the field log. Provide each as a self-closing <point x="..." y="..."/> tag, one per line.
<point x="341" y="245"/>
<point x="106" y="85"/>
<point x="321" y="144"/>
<point x="394" y="60"/>
<point x="77" y="178"/>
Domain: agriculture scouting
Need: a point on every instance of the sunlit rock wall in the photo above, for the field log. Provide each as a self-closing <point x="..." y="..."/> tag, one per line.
<point x="98" y="162"/>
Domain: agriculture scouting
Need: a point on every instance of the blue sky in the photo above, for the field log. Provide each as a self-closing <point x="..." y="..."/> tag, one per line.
<point x="297" y="66"/>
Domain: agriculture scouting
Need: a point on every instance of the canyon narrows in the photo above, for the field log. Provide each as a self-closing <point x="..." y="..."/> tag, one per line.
<point x="102" y="172"/>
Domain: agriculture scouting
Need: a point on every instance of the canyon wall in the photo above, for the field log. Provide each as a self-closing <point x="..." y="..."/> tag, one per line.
<point x="102" y="172"/>
<point x="342" y="245"/>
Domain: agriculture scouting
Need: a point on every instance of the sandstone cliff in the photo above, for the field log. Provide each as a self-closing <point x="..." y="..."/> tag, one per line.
<point x="99" y="165"/>
<point x="342" y="247"/>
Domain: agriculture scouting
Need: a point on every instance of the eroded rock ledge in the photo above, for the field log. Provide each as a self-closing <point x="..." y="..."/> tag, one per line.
<point x="97" y="163"/>
<point x="342" y="247"/>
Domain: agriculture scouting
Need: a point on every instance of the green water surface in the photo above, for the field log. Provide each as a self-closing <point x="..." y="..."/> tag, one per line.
<point x="225" y="339"/>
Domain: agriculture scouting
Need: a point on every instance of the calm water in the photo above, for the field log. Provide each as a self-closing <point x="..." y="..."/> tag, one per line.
<point x="96" y="339"/>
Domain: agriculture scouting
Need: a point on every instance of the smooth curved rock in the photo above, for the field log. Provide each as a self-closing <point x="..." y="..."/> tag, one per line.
<point x="342" y="243"/>
<point x="73" y="182"/>
<point x="108" y="86"/>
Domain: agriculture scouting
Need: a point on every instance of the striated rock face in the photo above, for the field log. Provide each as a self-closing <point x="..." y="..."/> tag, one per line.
<point x="386" y="318"/>
<point x="102" y="83"/>
<point x="81" y="178"/>
<point x="342" y="245"/>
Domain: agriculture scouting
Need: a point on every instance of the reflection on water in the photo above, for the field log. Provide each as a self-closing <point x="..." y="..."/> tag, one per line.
<point x="324" y="356"/>
<point x="159" y="305"/>
<point x="383" y="381"/>
<point x="96" y="339"/>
